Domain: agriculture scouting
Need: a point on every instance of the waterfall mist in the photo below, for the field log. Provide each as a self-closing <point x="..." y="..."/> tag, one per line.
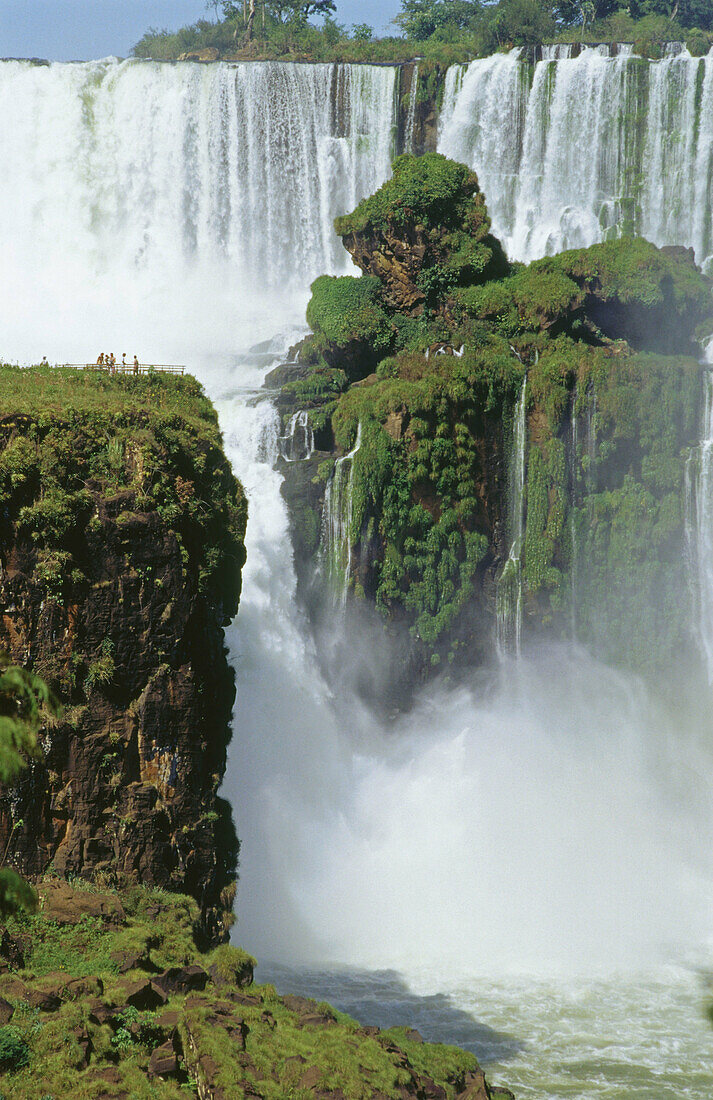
<point x="556" y="816"/>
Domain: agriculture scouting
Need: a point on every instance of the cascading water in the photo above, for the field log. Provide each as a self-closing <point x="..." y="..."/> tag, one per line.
<point x="699" y="528"/>
<point x="298" y="441"/>
<point x="337" y="534"/>
<point x="501" y="846"/>
<point x="508" y="595"/>
<point x="584" y="147"/>
<point x="190" y="187"/>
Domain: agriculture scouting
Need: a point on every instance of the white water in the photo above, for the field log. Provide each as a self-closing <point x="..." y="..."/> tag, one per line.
<point x="593" y="145"/>
<point x="298" y="442"/>
<point x="337" y="534"/>
<point x="699" y="528"/>
<point x="502" y="845"/>
<point x="508" y="596"/>
<point x="167" y="199"/>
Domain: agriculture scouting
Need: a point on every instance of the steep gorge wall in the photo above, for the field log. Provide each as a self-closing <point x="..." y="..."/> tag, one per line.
<point x="120" y="556"/>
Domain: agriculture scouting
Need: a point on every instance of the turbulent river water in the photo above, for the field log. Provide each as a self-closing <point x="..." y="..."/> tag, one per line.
<point x="522" y="865"/>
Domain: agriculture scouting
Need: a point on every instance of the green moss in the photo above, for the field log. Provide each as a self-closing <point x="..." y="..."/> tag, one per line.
<point x="625" y="288"/>
<point x="345" y="308"/>
<point x="41" y="1054"/>
<point x="422" y="488"/>
<point x="67" y="435"/>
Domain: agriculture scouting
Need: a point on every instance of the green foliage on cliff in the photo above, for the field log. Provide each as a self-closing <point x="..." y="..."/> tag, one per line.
<point x="345" y="309"/>
<point x="25" y="704"/>
<point x="422" y="489"/>
<point x="430" y="190"/>
<point x="231" y="1036"/>
<point x="665" y="294"/>
<point x="608" y="422"/>
<point x="72" y="440"/>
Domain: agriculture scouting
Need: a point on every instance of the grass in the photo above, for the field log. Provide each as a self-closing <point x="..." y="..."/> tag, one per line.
<point x="280" y="1047"/>
<point x="69" y="437"/>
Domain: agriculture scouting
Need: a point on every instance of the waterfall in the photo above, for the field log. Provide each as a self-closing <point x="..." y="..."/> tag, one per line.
<point x="699" y="528"/>
<point x="411" y="112"/>
<point x="587" y="145"/>
<point x="298" y="442"/>
<point x="337" y="534"/>
<point x="508" y="593"/>
<point x="191" y="185"/>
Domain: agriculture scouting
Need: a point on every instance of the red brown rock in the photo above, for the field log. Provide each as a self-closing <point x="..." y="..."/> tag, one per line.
<point x="128" y="783"/>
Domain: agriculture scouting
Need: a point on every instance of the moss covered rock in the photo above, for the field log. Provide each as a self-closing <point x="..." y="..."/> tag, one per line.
<point x="604" y="341"/>
<point x="425" y="231"/>
<point x="86" y="1027"/>
<point x="121" y="547"/>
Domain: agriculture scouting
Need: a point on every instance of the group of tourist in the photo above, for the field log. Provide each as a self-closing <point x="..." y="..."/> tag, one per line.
<point x="108" y="359"/>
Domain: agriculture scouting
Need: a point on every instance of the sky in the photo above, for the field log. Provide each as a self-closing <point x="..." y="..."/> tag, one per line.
<point x="68" y="30"/>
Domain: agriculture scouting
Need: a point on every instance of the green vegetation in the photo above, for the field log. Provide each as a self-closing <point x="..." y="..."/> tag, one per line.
<point x="609" y="420"/>
<point x="441" y="32"/>
<point x="69" y="438"/>
<point x="25" y="704"/>
<point x="664" y="293"/>
<point x="73" y="1031"/>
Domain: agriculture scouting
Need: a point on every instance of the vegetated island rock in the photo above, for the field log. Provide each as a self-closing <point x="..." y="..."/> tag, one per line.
<point x="121" y="546"/>
<point x="425" y="360"/>
<point x="128" y="1035"/>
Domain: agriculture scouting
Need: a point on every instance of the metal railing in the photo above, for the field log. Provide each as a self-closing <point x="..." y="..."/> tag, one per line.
<point x="129" y="368"/>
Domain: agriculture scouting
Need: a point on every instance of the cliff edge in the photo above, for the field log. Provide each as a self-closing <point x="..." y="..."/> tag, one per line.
<point x="121" y="546"/>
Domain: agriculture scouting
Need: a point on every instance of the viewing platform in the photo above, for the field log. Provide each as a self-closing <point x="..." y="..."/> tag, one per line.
<point x="129" y="368"/>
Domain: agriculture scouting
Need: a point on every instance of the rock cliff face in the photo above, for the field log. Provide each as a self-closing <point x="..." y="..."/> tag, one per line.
<point x="501" y="449"/>
<point x="107" y="592"/>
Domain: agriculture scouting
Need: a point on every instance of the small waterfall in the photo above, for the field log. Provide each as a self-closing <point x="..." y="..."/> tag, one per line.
<point x="411" y="112"/>
<point x="587" y="144"/>
<point x="298" y="442"/>
<point x="699" y="528"/>
<point x="337" y="534"/>
<point x="508" y="593"/>
<point x="573" y="498"/>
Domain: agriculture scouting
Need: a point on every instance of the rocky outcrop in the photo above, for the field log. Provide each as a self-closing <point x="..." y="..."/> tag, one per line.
<point x="198" y="1020"/>
<point x="579" y="371"/>
<point x="130" y="638"/>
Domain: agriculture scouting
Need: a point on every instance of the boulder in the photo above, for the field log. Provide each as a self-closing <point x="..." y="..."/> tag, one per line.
<point x="182" y="979"/>
<point x="163" y="1061"/>
<point x="475" y="1087"/>
<point x="84" y="1043"/>
<point x="99" y="1012"/>
<point x="61" y="903"/>
<point x="145" y="995"/>
<point x="46" y="1000"/>
<point x="6" y="1012"/>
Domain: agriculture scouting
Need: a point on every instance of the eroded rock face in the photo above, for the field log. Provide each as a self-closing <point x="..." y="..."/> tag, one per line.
<point x="128" y="782"/>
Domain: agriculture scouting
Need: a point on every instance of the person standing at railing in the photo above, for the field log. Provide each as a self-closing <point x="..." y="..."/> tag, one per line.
<point x="123" y="358"/>
<point x="100" y="360"/>
<point x="136" y="365"/>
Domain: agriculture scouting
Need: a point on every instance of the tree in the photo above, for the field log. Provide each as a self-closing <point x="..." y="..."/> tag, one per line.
<point x="25" y="703"/>
<point x="519" y="23"/>
<point x="688" y="13"/>
<point x="575" y="13"/>
<point x="419" y="19"/>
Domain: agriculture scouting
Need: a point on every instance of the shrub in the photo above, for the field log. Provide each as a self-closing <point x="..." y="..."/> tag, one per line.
<point x="14" y="1051"/>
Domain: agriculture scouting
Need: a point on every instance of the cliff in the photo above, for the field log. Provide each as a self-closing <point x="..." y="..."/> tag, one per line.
<point x="121" y="545"/>
<point x="517" y="437"/>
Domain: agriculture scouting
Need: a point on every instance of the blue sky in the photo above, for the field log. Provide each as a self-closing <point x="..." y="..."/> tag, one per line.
<point x="64" y="30"/>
